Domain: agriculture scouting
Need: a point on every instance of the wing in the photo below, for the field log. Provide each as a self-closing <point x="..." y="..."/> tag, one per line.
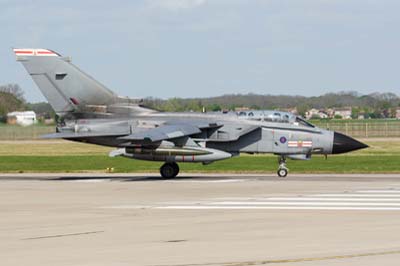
<point x="80" y="135"/>
<point x="164" y="132"/>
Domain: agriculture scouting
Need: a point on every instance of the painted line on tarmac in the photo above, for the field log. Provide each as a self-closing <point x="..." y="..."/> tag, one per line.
<point x="334" y="199"/>
<point x="328" y="208"/>
<point x="208" y="181"/>
<point x="127" y="207"/>
<point x="390" y="191"/>
<point x="89" y="180"/>
<point x="306" y="203"/>
<point x="293" y="207"/>
<point x="344" y="201"/>
<point x="357" y="195"/>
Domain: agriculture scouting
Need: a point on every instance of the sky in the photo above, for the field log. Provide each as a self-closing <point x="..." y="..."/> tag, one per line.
<point x="201" y="48"/>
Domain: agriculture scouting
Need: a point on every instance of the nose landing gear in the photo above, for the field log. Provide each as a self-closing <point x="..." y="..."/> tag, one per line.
<point x="282" y="170"/>
<point x="169" y="170"/>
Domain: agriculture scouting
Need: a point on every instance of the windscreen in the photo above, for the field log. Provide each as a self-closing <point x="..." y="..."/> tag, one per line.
<point x="303" y="122"/>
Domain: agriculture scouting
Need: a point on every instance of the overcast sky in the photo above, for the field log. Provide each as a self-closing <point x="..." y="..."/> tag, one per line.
<point x="192" y="48"/>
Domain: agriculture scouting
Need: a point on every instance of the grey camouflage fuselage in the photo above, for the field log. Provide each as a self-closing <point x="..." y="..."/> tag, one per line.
<point x="89" y="112"/>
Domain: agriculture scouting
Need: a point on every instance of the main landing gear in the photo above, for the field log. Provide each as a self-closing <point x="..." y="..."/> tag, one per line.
<point x="282" y="170"/>
<point x="169" y="170"/>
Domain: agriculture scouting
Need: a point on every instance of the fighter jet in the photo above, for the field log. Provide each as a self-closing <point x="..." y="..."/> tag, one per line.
<point x="91" y="113"/>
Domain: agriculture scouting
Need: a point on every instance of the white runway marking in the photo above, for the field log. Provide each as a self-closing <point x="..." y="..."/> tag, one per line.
<point x="208" y="181"/>
<point x="239" y="203"/>
<point x="359" y="195"/>
<point x="123" y="207"/>
<point x="362" y="200"/>
<point x="89" y="180"/>
<point x="337" y="199"/>
<point x="390" y="191"/>
<point x="275" y="208"/>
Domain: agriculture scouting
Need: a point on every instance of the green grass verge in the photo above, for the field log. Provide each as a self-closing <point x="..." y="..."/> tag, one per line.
<point x="248" y="164"/>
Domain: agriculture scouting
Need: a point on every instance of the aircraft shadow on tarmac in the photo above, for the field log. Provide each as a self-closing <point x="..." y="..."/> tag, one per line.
<point x="132" y="179"/>
<point x="217" y="178"/>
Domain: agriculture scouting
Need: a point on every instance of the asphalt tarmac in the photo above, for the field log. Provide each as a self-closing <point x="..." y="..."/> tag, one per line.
<point x="230" y="220"/>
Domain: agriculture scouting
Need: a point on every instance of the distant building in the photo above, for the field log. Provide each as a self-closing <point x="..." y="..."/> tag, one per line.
<point x="397" y="114"/>
<point x="310" y="113"/>
<point x="330" y="112"/>
<point x="315" y="113"/>
<point x="21" y="118"/>
<point x="344" y="113"/>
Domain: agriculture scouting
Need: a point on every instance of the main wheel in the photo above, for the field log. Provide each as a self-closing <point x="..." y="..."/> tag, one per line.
<point x="169" y="170"/>
<point x="176" y="168"/>
<point x="282" y="172"/>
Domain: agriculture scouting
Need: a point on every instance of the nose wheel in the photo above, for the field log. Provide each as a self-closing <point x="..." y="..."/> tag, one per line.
<point x="169" y="170"/>
<point x="282" y="170"/>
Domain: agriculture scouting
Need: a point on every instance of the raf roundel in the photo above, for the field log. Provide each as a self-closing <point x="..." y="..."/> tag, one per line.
<point x="283" y="140"/>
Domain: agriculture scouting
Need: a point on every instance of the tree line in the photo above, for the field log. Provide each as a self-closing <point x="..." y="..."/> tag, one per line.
<point x="374" y="105"/>
<point x="12" y="99"/>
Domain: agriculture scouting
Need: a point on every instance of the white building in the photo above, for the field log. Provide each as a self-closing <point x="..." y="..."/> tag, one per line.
<point x="397" y="113"/>
<point x="315" y="113"/>
<point x="22" y="118"/>
<point x="344" y="113"/>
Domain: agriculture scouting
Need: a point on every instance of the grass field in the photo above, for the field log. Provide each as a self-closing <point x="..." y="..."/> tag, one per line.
<point x="383" y="156"/>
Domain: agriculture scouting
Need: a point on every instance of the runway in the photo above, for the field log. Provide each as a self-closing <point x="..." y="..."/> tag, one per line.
<point x="235" y="220"/>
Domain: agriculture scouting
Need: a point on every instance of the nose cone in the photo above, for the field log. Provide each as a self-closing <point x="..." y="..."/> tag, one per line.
<point x="343" y="144"/>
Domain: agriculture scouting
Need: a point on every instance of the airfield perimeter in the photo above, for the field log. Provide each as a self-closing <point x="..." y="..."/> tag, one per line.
<point x="136" y="219"/>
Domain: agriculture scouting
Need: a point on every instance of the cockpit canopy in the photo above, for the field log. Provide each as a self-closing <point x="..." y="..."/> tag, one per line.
<point x="273" y="116"/>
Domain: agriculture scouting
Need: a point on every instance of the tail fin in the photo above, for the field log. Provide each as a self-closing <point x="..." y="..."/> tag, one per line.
<point x="65" y="86"/>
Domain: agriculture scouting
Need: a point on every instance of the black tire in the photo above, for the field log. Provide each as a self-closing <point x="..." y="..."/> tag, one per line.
<point x="176" y="168"/>
<point x="169" y="170"/>
<point x="282" y="172"/>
